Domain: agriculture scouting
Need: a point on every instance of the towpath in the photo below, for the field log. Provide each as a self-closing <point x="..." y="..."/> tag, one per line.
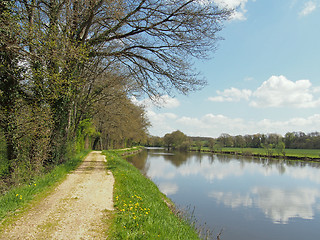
<point x="77" y="208"/>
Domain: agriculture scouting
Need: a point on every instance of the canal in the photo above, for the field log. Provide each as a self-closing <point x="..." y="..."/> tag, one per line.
<point x="246" y="198"/>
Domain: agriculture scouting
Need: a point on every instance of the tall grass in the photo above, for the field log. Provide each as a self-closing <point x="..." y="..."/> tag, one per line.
<point x="141" y="209"/>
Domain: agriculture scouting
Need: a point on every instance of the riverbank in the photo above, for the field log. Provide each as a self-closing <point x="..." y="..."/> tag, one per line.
<point x="141" y="210"/>
<point x="289" y="154"/>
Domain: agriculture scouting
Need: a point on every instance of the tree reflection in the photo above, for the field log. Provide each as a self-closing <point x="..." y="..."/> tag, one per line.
<point x="178" y="159"/>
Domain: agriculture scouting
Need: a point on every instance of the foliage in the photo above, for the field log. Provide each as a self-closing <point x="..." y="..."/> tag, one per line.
<point x="268" y="149"/>
<point x="85" y="134"/>
<point x="120" y="124"/>
<point x="154" y="141"/>
<point x="280" y="148"/>
<point x="175" y="140"/>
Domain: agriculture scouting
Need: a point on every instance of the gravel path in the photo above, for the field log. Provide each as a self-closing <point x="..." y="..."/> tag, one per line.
<point x="75" y="210"/>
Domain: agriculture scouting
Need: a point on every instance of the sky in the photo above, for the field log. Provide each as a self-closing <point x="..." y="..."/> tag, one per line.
<point x="263" y="78"/>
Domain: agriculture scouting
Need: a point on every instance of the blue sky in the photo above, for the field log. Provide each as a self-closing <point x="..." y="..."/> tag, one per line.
<point x="263" y="78"/>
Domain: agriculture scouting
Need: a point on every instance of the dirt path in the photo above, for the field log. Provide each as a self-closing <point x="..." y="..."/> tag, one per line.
<point x="75" y="210"/>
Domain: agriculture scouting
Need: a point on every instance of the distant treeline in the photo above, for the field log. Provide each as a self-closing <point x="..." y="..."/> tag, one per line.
<point x="291" y="140"/>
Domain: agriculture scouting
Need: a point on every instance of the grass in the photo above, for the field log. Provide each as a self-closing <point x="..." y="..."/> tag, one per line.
<point x="299" y="153"/>
<point x="16" y="199"/>
<point x="127" y="150"/>
<point x="296" y="153"/>
<point x="141" y="211"/>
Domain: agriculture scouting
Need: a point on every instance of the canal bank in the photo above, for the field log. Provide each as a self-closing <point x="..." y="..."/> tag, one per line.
<point x="288" y="154"/>
<point x="141" y="210"/>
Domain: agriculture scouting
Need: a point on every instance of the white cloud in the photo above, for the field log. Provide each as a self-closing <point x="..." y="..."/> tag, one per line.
<point x="232" y="95"/>
<point x="160" y="122"/>
<point x="308" y="8"/>
<point x="164" y="101"/>
<point x="278" y="91"/>
<point x="239" y="5"/>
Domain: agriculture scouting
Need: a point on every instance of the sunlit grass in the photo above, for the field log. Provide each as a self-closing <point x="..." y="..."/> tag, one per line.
<point x="141" y="212"/>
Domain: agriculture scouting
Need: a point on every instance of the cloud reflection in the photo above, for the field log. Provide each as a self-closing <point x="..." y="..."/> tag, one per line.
<point x="220" y="170"/>
<point x="210" y="171"/>
<point x="168" y="188"/>
<point x="277" y="204"/>
<point x="161" y="170"/>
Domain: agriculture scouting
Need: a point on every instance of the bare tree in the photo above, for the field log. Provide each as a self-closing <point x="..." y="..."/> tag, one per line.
<point x="154" y="40"/>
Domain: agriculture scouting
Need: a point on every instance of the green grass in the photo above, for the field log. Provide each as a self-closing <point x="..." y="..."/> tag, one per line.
<point x="141" y="212"/>
<point x="127" y="150"/>
<point x="17" y="198"/>
<point x="300" y="153"/>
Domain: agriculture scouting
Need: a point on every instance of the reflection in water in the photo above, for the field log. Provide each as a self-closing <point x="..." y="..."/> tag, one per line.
<point x="285" y="192"/>
<point x="168" y="188"/>
<point x="277" y="204"/>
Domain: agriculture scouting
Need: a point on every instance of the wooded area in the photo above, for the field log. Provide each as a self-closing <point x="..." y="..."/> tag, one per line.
<point x="69" y="68"/>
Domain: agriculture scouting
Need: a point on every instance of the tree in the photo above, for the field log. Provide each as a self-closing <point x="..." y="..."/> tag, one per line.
<point x="175" y="139"/>
<point x="280" y="148"/>
<point x="225" y="140"/>
<point x="10" y="71"/>
<point x="120" y="123"/>
<point x="211" y="143"/>
<point x="199" y="145"/>
<point x="64" y="62"/>
<point x="239" y="141"/>
<point x="289" y="139"/>
<point x="268" y="148"/>
<point x="256" y="141"/>
<point x="152" y="41"/>
<point x="168" y="140"/>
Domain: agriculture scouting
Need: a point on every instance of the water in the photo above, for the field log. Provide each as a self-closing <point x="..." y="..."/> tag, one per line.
<point x="247" y="198"/>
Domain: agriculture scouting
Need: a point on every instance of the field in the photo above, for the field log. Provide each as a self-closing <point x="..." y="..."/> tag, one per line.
<point x="294" y="153"/>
